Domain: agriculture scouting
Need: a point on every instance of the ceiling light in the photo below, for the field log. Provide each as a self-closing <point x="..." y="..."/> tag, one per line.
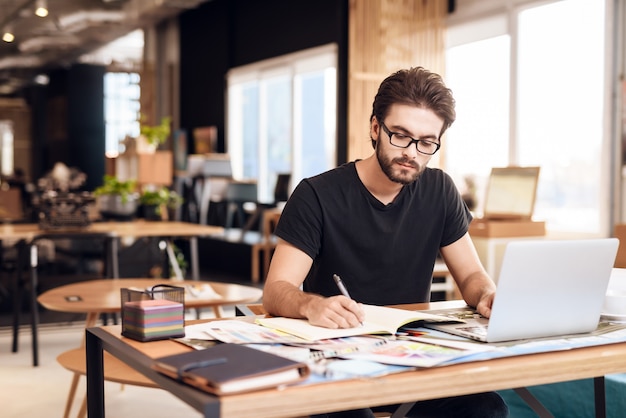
<point x="8" y="36"/>
<point x="41" y="8"/>
<point x="41" y="79"/>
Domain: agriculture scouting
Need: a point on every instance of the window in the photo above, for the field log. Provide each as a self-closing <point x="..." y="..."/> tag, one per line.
<point x="6" y="147"/>
<point x="545" y="108"/>
<point x="282" y="118"/>
<point x="121" y="104"/>
<point x="482" y="96"/>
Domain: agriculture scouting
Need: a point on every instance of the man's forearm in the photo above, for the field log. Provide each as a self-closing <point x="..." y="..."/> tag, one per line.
<point x="476" y="287"/>
<point x="282" y="298"/>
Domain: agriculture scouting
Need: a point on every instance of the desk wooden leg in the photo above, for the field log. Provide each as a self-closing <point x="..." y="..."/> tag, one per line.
<point x="533" y="403"/>
<point x="267" y="257"/>
<point x="83" y="408"/>
<point x="402" y="410"/>
<point x="92" y="318"/>
<point x="255" y="249"/>
<point x="70" y="396"/>
<point x="219" y="312"/>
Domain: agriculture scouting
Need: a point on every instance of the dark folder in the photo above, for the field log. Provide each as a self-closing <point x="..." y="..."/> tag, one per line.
<point x="231" y="368"/>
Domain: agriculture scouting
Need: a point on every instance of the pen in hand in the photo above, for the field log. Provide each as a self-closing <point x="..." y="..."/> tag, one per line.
<point x="342" y="287"/>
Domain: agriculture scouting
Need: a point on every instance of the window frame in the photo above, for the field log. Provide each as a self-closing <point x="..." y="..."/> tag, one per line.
<point x="293" y="66"/>
<point x="497" y="17"/>
<point x="118" y="100"/>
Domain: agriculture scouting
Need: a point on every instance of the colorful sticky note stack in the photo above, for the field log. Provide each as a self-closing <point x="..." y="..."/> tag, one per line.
<point x="153" y="319"/>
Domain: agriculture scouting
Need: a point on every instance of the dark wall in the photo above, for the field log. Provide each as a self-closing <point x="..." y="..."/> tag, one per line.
<point x="204" y="60"/>
<point x="86" y="126"/>
<point x="68" y="122"/>
<point x="36" y="96"/>
<point x="214" y="37"/>
<point x="224" y="34"/>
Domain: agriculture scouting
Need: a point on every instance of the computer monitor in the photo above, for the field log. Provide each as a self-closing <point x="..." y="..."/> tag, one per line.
<point x="209" y="165"/>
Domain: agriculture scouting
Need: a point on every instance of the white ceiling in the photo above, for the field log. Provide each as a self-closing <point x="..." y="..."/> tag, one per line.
<point x="73" y="31"/>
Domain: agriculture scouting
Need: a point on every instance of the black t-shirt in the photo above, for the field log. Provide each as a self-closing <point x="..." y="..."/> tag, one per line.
<point x="384" y="253"/>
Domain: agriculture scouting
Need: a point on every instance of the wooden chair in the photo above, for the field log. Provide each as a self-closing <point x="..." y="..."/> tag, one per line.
<point x="266" y="245"/>
<point x="281" y="194"/>
<point x="267" y="215"/>
<point x="619" y="232"/>
<point x="443" y="281"/>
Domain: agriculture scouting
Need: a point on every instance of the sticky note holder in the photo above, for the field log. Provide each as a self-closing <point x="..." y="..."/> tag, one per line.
<point x="153" y="314"/>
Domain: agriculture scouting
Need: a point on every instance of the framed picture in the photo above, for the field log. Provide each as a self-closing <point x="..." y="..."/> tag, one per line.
<point x="205" y="139"/>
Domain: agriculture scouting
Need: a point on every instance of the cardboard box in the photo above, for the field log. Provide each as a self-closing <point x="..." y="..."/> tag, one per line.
<point x="506" y="228"/>
<point x="156" y="168"/>
<point x="11" y="204"/>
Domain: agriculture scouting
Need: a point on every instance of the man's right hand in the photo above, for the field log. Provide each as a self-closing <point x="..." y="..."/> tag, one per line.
<point x="335" y="312"/>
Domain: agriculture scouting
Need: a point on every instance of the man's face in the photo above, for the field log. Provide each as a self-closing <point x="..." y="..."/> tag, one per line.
<point x="404" y="165"/>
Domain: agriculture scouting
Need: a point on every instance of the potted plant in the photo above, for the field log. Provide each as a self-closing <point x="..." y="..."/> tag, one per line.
<point x="117" y="198"/>
<point x="156" y="202"/>
<point x="153" y="136"/>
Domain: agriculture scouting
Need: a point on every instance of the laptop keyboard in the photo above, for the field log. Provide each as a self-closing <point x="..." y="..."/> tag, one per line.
<point x="475" y="329"/>
<point x="461" y="314"/>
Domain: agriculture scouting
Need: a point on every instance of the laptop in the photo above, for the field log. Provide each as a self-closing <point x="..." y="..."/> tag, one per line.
<point x="511" y="193"/>
<point x="546" y="288"/>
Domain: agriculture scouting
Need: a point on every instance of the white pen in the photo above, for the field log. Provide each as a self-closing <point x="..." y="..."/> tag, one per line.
<point x="342" y="288"/>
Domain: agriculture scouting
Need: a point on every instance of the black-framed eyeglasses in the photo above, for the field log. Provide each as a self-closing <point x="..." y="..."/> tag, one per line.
<point x="400" y="140"/>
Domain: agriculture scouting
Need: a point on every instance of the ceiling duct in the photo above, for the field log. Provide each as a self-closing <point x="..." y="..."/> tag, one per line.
<point x="74" y="31"/>
<point x="158" y="9"/>
<point x="41" y="43"/>
<point x="22" y="61"/>
<point x="80" y="20"/>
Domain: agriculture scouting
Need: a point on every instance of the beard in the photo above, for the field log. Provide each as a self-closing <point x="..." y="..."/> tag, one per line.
<point x="395" y="174"/>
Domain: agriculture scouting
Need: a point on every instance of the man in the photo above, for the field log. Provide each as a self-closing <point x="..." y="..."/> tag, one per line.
<point x="379" y="224"/>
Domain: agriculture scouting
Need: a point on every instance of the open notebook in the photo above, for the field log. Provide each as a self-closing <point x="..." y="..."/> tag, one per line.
<point x="546" y="288"/>
<point x="378" y="320"/>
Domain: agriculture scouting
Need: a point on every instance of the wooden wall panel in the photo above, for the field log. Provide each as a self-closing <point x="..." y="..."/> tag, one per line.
<point x="18" y="113"/>
<point x="148" y="100"/>
<point x="385" y="36"/>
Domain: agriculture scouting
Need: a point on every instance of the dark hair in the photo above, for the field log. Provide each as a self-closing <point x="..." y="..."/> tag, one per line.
<point x="417" y="87"/>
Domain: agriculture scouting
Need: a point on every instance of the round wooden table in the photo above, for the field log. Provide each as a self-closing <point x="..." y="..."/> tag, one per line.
<point x="95" y="297"/>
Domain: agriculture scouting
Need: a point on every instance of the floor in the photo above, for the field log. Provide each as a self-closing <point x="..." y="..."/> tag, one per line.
<point x="34" y="392"/>
<point x="41" y="391"/>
